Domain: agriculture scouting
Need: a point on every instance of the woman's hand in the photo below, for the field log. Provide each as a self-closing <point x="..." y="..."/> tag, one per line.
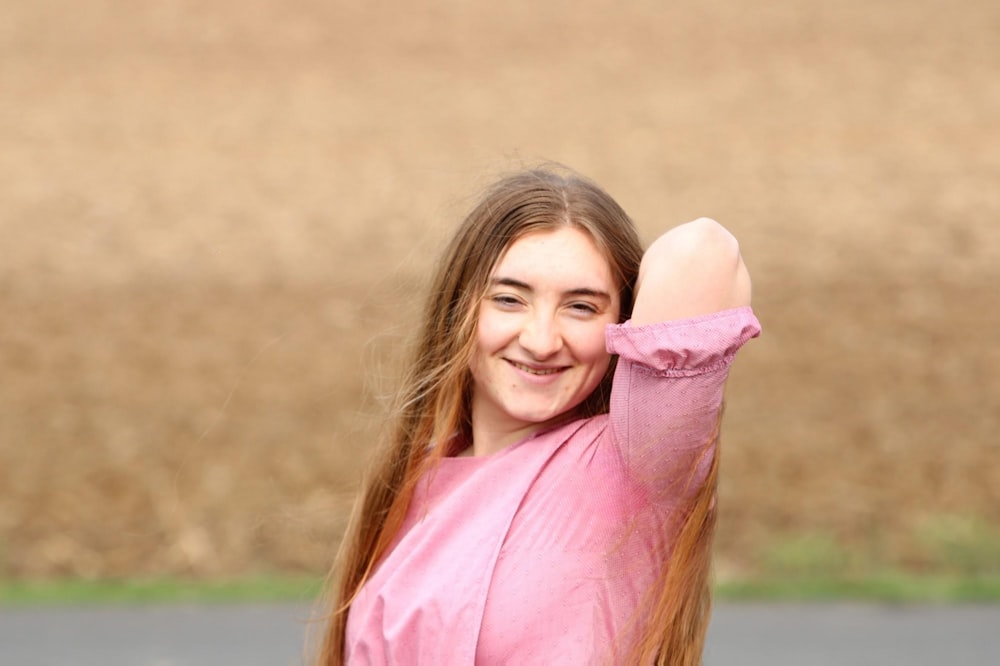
<point x="691" y="270"/>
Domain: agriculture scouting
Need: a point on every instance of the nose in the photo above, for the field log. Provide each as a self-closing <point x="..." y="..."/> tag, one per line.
<point x="540" y="336"/>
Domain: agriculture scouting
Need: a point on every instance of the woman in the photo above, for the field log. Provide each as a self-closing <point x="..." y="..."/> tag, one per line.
<point x="547" y="491"/>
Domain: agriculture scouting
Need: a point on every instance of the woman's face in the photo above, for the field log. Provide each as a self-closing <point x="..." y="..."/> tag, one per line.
<point x="540" y="348"/>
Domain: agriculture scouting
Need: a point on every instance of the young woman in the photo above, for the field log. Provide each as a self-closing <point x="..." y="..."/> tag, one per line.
<point x="546" y="494"/>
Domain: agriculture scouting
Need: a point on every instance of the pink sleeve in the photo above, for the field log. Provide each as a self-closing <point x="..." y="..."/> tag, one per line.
<point x="667" y="393"/>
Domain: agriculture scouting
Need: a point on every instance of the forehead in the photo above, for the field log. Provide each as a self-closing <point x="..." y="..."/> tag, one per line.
<point x="566" y="255"/>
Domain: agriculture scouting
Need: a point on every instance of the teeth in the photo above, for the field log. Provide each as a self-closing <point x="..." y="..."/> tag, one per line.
<point x="550" y="371"/>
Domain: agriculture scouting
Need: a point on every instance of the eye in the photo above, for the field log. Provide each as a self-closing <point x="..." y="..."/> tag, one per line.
<point x="505" y="300"/>
<point x="580" y="307"/>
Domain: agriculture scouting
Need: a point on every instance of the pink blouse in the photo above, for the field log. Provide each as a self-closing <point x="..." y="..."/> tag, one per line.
<point x="543" y="552"/>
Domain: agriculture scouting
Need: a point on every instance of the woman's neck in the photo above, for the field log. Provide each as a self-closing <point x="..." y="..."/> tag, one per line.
<point x="489" y="438"/>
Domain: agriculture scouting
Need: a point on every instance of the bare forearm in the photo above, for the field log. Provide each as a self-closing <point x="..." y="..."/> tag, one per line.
<point x="693" y="269"/>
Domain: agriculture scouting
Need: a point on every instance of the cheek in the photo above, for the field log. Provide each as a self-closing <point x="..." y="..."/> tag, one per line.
<point x="601" y="363"/>
<point x="593" y="347"/>
<point x="489" y="333"/>
<point x="492" y="336"/>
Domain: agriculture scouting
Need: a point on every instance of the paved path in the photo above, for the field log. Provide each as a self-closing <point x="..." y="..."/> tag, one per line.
<point x="853" y="635"/>
<point x="273" y="635"/>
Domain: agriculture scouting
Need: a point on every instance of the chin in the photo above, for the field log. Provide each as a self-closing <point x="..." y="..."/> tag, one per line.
<point x="543" y="418"/>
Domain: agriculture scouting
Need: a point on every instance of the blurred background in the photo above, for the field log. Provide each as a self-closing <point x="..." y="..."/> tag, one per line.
<point x="216" y="220"/>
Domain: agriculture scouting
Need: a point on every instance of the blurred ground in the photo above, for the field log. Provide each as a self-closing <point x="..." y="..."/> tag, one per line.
<point x="215" y="219"/>
<point x="272" y="634"/>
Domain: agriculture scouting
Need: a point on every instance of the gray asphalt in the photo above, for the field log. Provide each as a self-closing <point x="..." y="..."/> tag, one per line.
<point x="274" y="635"/>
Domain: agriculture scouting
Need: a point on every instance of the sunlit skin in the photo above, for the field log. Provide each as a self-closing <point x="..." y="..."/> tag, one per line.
<point x="540" y="346"/>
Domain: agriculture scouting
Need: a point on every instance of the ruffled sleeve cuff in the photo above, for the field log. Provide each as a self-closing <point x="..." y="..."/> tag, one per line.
<point x="685" y="347"/>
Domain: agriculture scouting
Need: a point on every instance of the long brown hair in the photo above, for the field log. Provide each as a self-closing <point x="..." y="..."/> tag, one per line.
<point x="676" y="620"/>
<point x="431" y="417"/>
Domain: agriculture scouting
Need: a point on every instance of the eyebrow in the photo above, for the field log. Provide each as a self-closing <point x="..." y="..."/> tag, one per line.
<point x="579" y="291"/>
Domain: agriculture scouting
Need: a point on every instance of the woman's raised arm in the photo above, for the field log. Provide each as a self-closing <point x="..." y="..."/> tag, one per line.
<point x="693" y="269"/>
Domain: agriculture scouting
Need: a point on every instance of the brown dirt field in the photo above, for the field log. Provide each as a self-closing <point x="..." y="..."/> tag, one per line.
<point x="216" y="216"/>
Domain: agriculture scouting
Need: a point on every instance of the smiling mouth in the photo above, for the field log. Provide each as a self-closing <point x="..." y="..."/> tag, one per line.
<point x="535" y="371"/>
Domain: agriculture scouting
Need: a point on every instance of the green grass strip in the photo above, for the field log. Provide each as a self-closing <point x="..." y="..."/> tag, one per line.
<point x="140" y="591"/>
<point x="893" y="588"/>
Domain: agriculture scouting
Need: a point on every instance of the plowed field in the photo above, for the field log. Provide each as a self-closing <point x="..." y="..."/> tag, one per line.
<point x="215" y="219"/>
